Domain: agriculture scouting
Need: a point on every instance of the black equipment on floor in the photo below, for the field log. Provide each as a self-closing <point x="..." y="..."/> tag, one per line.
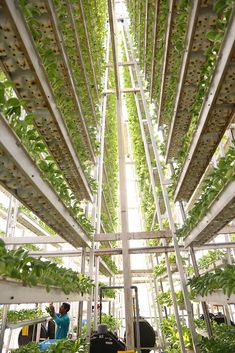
<point x="30" y="336"/>
<point x="147" y="335"/>
<point x="105" y="342"/>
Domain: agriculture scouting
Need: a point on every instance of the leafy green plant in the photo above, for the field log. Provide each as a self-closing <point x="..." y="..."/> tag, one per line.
<point x="31" y="272"/>
<point x="112" y="323"/>
<point x="170" y="332"/>
<point x="165" y="298"/>
<point x="220" y="278"/>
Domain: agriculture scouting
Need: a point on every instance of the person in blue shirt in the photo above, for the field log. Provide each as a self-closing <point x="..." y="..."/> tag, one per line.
<point x="61" y="319"/>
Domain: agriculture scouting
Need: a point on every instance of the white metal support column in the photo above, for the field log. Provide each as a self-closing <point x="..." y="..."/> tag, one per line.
<point x="122" y="183"/>
<point x="156" y="199"/>
<point x="80" y="304"/>
<point x="5" y="307"/>
<point x="168" y="208"/>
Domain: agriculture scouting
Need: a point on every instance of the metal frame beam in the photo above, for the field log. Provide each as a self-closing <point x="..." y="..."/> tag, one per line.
<point x="13" y="292"/>
<point x="123" y="90"/>
<point x="139" y="250"/>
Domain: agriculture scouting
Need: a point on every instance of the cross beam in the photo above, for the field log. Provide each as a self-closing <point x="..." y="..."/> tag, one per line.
<point x="140" y="250"/>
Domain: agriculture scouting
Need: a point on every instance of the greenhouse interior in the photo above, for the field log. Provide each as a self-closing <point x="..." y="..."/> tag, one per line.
<point x="117" y="176"/>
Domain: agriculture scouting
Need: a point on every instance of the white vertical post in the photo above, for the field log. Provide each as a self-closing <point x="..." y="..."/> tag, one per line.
<point x="9" y="216"/>
<point x="80" y="304"/>
<point x="3" y="326"/>
<point x="122" y="184"/>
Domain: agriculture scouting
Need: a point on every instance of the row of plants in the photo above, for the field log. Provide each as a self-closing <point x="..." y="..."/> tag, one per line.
<point x="53" y="63"/>
<point x="215" y="36"/>
<point x="137" y="13"/>
<point x="22" y="124"/>
<point x="175" y="52"/>
<point x="31" y="272"/>
<point x="210" y="258"/>
<point x="206" y="261"/>
<point x="163" y="9"/>
<point x="138" y="31"/>
<point x="220" y="278"/>
<point x="60" y="346"/>
<point x="220" y="176"/>
<point x="147" y="200"/>
<point x="110" y="171"/>
<point x="67" y="29"/>
<point x="14" y="316"/>
<point x="96" y="18"/>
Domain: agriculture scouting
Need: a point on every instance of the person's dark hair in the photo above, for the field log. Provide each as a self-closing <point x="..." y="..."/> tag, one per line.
<point x="66" y="306"/>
